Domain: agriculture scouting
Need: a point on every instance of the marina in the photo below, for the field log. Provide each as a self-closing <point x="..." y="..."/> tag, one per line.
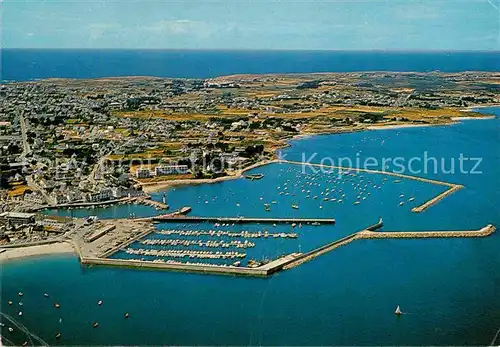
<point x="452" y="187"/>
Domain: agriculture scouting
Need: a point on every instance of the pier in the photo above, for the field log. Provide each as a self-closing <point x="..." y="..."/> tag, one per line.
<point x="153" y="203"/>
<point x="436" y="199"/>
<point x="193" y="219"/>
<point x="453" y="187"/>
<point x="483" y="232"/>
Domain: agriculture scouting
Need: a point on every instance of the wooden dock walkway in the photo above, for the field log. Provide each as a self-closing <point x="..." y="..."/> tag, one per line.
<point x="196" y="219"/>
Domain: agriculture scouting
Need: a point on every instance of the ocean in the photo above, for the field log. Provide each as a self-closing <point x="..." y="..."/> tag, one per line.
<point x="32" y="64"/>
<point x="447" y="287"/>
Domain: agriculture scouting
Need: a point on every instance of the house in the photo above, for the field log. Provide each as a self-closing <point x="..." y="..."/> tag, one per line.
<point x="171" y="170"/>
<point x="17" y="218"/>
<point x="142" y="173"/>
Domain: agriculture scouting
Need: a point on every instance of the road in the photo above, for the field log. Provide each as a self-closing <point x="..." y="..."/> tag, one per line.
<point x="24" y="136"/>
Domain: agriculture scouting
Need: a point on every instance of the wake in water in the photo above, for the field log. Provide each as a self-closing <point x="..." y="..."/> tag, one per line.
<point x="31" y="339"/>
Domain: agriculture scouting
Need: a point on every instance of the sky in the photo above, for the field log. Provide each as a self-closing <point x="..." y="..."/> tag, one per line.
<point x="252" y="24"/>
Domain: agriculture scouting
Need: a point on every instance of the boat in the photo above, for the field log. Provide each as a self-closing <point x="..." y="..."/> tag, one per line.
<point x="99" y="302"/>
<point x="398" y="311"/>
<point x="95" y="325"/>
<point x="295" y="207"/>
<point x="254" y="176"/>
<point x="401" y="203"/>
<point x="46" y="295"/>
<point x="58" y="335"/>
<point x="411" y="199"/>
<point x="316" y="223"/>
<point x="356" y="202"/>
<point x="127" y="315"/>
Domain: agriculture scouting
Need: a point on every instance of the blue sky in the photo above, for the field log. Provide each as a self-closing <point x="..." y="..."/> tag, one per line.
<point x="253" y="24"/>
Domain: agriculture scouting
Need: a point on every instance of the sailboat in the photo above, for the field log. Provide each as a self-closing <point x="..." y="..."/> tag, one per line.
<point x="398" y="311"/>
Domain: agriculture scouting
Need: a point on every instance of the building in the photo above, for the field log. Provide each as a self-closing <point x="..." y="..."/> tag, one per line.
<point x="17" y="218"/>
<point x="171" y="170"/>
<point x="103" y="195"/>
<point x="142" y="173"/>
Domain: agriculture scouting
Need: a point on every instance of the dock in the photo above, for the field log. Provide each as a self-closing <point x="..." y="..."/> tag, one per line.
<point x="193" y="219"/>
<point x="153" y="203"/>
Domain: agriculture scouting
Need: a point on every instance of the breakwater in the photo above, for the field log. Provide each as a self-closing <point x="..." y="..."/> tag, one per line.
<point x="437" y="198"/>
<point x="483" y="232"/>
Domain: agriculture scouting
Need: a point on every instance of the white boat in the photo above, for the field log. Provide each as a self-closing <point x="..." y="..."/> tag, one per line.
<point x="398" y="311"/>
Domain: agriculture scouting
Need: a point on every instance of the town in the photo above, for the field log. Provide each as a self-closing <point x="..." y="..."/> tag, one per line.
<point x="66" y="142"/>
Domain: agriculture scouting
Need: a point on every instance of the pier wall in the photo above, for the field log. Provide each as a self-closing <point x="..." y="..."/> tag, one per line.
<point x="483" y="232"/>
<point x="437" y="198"/>
<point x="223" y="270"/>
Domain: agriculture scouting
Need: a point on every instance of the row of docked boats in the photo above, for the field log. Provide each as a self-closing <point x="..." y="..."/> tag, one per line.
<point x="198" y="243"/>
<point x="185" y="254"/>
<point x="220" y="233"/>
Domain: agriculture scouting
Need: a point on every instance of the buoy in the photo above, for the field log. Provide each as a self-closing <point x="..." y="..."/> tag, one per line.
<point x="57" y="305"/>
<point x="398" y="311"/>
<point x="127" y="315"/>
<point x="96" y="324"/>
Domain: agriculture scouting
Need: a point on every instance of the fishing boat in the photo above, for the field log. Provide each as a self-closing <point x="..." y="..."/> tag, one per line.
<point x="254" y="176"/>
<point x="398" y="311"/>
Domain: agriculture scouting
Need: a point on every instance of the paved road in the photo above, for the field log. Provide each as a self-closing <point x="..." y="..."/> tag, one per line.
<point x="24" y="135"/>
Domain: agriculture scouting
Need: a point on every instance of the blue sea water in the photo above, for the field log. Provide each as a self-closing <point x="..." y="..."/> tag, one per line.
<point x="30" y="64"/>
<point x="448" y="287"/>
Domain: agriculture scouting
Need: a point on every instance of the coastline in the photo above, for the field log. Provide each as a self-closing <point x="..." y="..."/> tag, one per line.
<point x="159" y="186"/>
<point x="153" y="187"/>
<point x="33" y="251"/>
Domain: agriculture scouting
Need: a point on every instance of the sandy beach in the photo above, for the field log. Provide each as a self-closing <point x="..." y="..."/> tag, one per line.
<point x="400" y="126"/>
<point x="468" y="118"/>
<point x="30" y="251"/>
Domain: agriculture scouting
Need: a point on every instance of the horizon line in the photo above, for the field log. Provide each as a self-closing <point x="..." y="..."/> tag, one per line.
<point x="391" y="50"/>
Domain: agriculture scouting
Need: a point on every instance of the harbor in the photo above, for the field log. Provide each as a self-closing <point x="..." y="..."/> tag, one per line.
<point x="194" y="256"/>
<point x="452" y="187"/>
